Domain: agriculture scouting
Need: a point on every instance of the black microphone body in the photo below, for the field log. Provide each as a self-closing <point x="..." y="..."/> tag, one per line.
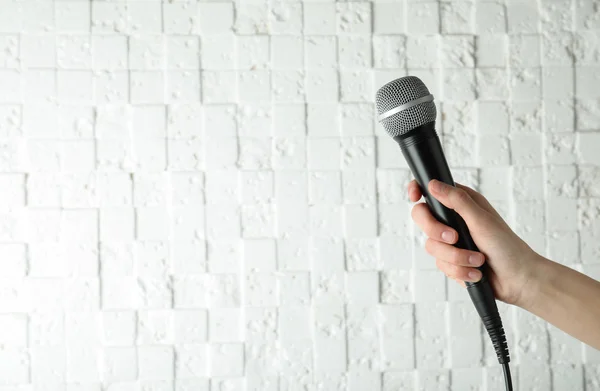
<point x="423" y="152"/>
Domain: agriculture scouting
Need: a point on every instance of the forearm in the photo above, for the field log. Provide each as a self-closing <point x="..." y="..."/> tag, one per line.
<point x="567" y="299"/>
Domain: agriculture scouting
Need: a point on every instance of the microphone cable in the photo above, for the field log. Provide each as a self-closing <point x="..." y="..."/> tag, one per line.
<point x="507" y="378"/>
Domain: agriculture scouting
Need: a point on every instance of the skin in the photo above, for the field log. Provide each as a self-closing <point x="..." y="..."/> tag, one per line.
<point x="519" y="276"/>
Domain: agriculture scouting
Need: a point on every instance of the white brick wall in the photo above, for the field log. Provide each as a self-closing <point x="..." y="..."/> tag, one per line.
<point x="196" y="195"/>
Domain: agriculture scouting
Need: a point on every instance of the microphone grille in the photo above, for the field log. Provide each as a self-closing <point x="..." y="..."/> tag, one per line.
<point x="399" y="92"/>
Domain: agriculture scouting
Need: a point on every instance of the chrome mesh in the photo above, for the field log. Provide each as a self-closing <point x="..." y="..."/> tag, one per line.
<point x="397" y="93"/>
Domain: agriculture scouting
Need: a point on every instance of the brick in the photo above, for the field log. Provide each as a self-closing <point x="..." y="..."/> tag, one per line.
<point x="146" y="52"/>
<point x="389" y="18"/>
<point x="226" y="359"/>
<point x="353" y="18"/>
<point x="423" y="17"/>
<point x="215" y="18"/>
<point x="155" y="327"/>
<point x="40" y="51"/>
<point x="180" y="18"/>
<point x="192" y="362"/>
<point x="253" y="51"/>
<point x="292" y="254"/>
<point x="145" y="17"/>
<point x="120" y="364"/>
<point x="119" y="328"/>
<point x="190" y="326"/>
<point x="155" y="363"/>
<point x="523" y="17"/>
<point x="319" y="18"/>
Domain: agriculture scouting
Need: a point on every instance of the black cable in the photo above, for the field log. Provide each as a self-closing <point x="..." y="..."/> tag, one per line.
<point x="507" y="378"/>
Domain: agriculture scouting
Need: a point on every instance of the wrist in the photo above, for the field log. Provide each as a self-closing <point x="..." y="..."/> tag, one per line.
<point x="539" y="274"/>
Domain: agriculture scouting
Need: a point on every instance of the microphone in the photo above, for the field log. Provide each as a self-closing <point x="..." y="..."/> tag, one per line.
<point x="407" y="112"/>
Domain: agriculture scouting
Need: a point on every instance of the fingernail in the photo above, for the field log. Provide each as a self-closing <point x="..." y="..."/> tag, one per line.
<point x="475" y="260"/>
<point x="475" y="275"/>
<point x="448" y="236"/>
<point x="437" y="186"/>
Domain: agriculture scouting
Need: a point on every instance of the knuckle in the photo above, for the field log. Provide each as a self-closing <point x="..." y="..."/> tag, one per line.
<point x="430" y="246"/>
<point x="461" y="196"/>
<point x="456" y="255"/>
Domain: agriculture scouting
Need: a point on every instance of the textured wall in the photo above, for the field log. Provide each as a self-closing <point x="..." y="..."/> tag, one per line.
<point x="196" y="196"/>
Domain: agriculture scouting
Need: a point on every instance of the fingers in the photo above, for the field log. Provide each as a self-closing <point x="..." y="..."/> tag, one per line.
<point x="431" y="227"/>
<point x="414" y="192"/>
<point x="479" y="199"/>
<point x="453" y="255"/>
<point x="462" y="273"/>
<point x="457" y="199"/>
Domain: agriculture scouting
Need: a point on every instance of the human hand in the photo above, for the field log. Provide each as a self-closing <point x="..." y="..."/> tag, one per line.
<point x="511" y="261"/>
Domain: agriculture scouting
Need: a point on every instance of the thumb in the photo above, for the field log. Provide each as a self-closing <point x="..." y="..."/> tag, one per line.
<point x="457" y="199"/>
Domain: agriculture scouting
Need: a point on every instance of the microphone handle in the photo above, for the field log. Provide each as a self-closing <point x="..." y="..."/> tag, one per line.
<point x="423" y="152"/>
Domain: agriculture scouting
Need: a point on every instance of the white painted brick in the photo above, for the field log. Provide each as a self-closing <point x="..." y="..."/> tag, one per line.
<point x="559" y="116"/>
<point x="287" y="52"/>
<point x="111" y="87"/>
<point x="252" y="19"/>
<point x="328" y="288"/>
<point x="191" y="385"/>
<point x="422" y="51"/>
<point x="146" y="52"/>
<point x="556" y="49"/>
<point x="225" y="325"/>
<point x="253" y="85"/>
<point x="363" y="288"/>
<point x="191" y="361"/>
<point x="526" y="117"/>
<point x="48" y="365"/>
<point x="567" y="375"/>
<point x="223" y="221"/>
<point x="523" y="17"/>
<point x="389" y="18"/>
<point x="491" y="50"/>
<point x="323" y="120"/>
<point x="353" y="18"/>
<point x="182" y="86"/>
<point x="560" y="148"/>
<point x="190" y="326"/>
<point x="12" y="20"/>
<point x="423" y="17"/>
<point x="360" y="221"/>
<point x="389" y="51"/>
<point x="587" y="114"/>
<point x="457" y="17"/>
<point x="294" y="289"/>
<point x="83" y="364"/>
<point x="319" y="18"/>
<point x="526" y="150"/>
<point x="526" y="83"/>
<point x="458" y="51"/>
<point x="327" y="254"/>
<point x="119" y="364"/>
<point x="155" y="363"/>
<point x="226" y="359"/>
<point x="252" y="52"/>
<point x="557" y="82"/>
<point x="119" y="328"/>
<point x="215" y="18"/>
<point x="145" y="17"/>
<point x="286" y="18"/>
<point x="524" y="51"/>
<point x="180" y="18"/>
<point x="261" y="289"/>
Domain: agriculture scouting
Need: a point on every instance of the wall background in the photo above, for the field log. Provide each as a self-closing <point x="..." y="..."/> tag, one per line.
<point x="195" y="195"/>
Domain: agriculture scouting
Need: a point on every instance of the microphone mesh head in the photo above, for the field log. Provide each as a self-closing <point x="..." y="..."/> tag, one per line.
<point x="399" y="92"/>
